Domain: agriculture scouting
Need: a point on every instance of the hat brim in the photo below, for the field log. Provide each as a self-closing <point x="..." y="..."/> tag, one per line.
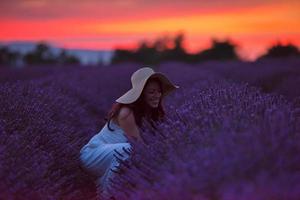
<point x="134" y="93"/>
<point x="167" y="85"/>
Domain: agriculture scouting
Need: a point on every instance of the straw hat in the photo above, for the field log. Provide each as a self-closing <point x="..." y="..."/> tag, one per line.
<point x="138" y="82"/>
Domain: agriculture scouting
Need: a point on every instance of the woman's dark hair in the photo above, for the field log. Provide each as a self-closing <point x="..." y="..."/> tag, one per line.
<point x="139" y="108"/>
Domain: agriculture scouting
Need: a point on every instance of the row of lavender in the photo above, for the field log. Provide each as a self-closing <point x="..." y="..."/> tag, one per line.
<point x="226" y="138"/>
<point x="280" y="75"/>
<point x="44" y="122"/>
<point x="226" y="142"/>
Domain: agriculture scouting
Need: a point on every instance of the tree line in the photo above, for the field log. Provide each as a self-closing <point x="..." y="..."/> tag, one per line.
<point x="162" y="49"/>
<point x="165" y="49"/>
<point x="40" y="55"/>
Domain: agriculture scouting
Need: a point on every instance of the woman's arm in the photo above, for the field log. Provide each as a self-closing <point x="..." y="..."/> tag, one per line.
<point x="127" y="123"/>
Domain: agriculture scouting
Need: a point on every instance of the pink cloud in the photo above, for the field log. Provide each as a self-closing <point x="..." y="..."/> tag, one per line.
<point x="115" y="9"/>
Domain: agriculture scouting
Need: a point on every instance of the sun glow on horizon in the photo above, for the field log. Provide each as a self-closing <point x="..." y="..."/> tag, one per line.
<point x="252" y="28"/>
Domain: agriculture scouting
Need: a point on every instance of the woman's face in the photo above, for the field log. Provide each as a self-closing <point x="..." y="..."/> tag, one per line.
<point x="152" y="94"/>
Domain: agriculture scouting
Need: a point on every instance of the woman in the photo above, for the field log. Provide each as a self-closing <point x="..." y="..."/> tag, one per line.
<point x="142" y="102"/>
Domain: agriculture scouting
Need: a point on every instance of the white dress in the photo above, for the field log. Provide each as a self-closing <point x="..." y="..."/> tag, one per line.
<point x="97" y="156"/>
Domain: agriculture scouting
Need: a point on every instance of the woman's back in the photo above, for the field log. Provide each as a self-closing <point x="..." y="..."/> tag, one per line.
<point x="106" y="136"/>
<point x="98" y="156"/>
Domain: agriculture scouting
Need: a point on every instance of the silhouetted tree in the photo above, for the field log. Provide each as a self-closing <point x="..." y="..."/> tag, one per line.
<point x="163" y="43"/>
<point x="8" y="57"/>
<point x="148" y="54"/>
<point x="121" y="55"/>
<point x="279" y="50"/>
<point x="177" y="52"/>
<point x="145" y="54"/>
<point x="40" y="55"/>
<point x="219" y="51"/>
<point x="161" y="49"/>
<point x="65" y="59"/>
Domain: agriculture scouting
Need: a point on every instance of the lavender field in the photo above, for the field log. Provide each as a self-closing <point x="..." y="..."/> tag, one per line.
<point x="233" y="132"/>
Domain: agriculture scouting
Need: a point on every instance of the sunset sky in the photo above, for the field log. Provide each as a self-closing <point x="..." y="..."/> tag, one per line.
<point x="106" y="24"/>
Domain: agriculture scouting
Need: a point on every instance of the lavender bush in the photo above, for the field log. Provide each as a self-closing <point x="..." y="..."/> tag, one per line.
<point x="221" y="140"/>
<point x="280" y="75"/>
<point x="228" y="142"/>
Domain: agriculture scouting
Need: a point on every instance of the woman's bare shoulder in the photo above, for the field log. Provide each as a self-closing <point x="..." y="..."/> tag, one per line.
<point x="125" y="112"/>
